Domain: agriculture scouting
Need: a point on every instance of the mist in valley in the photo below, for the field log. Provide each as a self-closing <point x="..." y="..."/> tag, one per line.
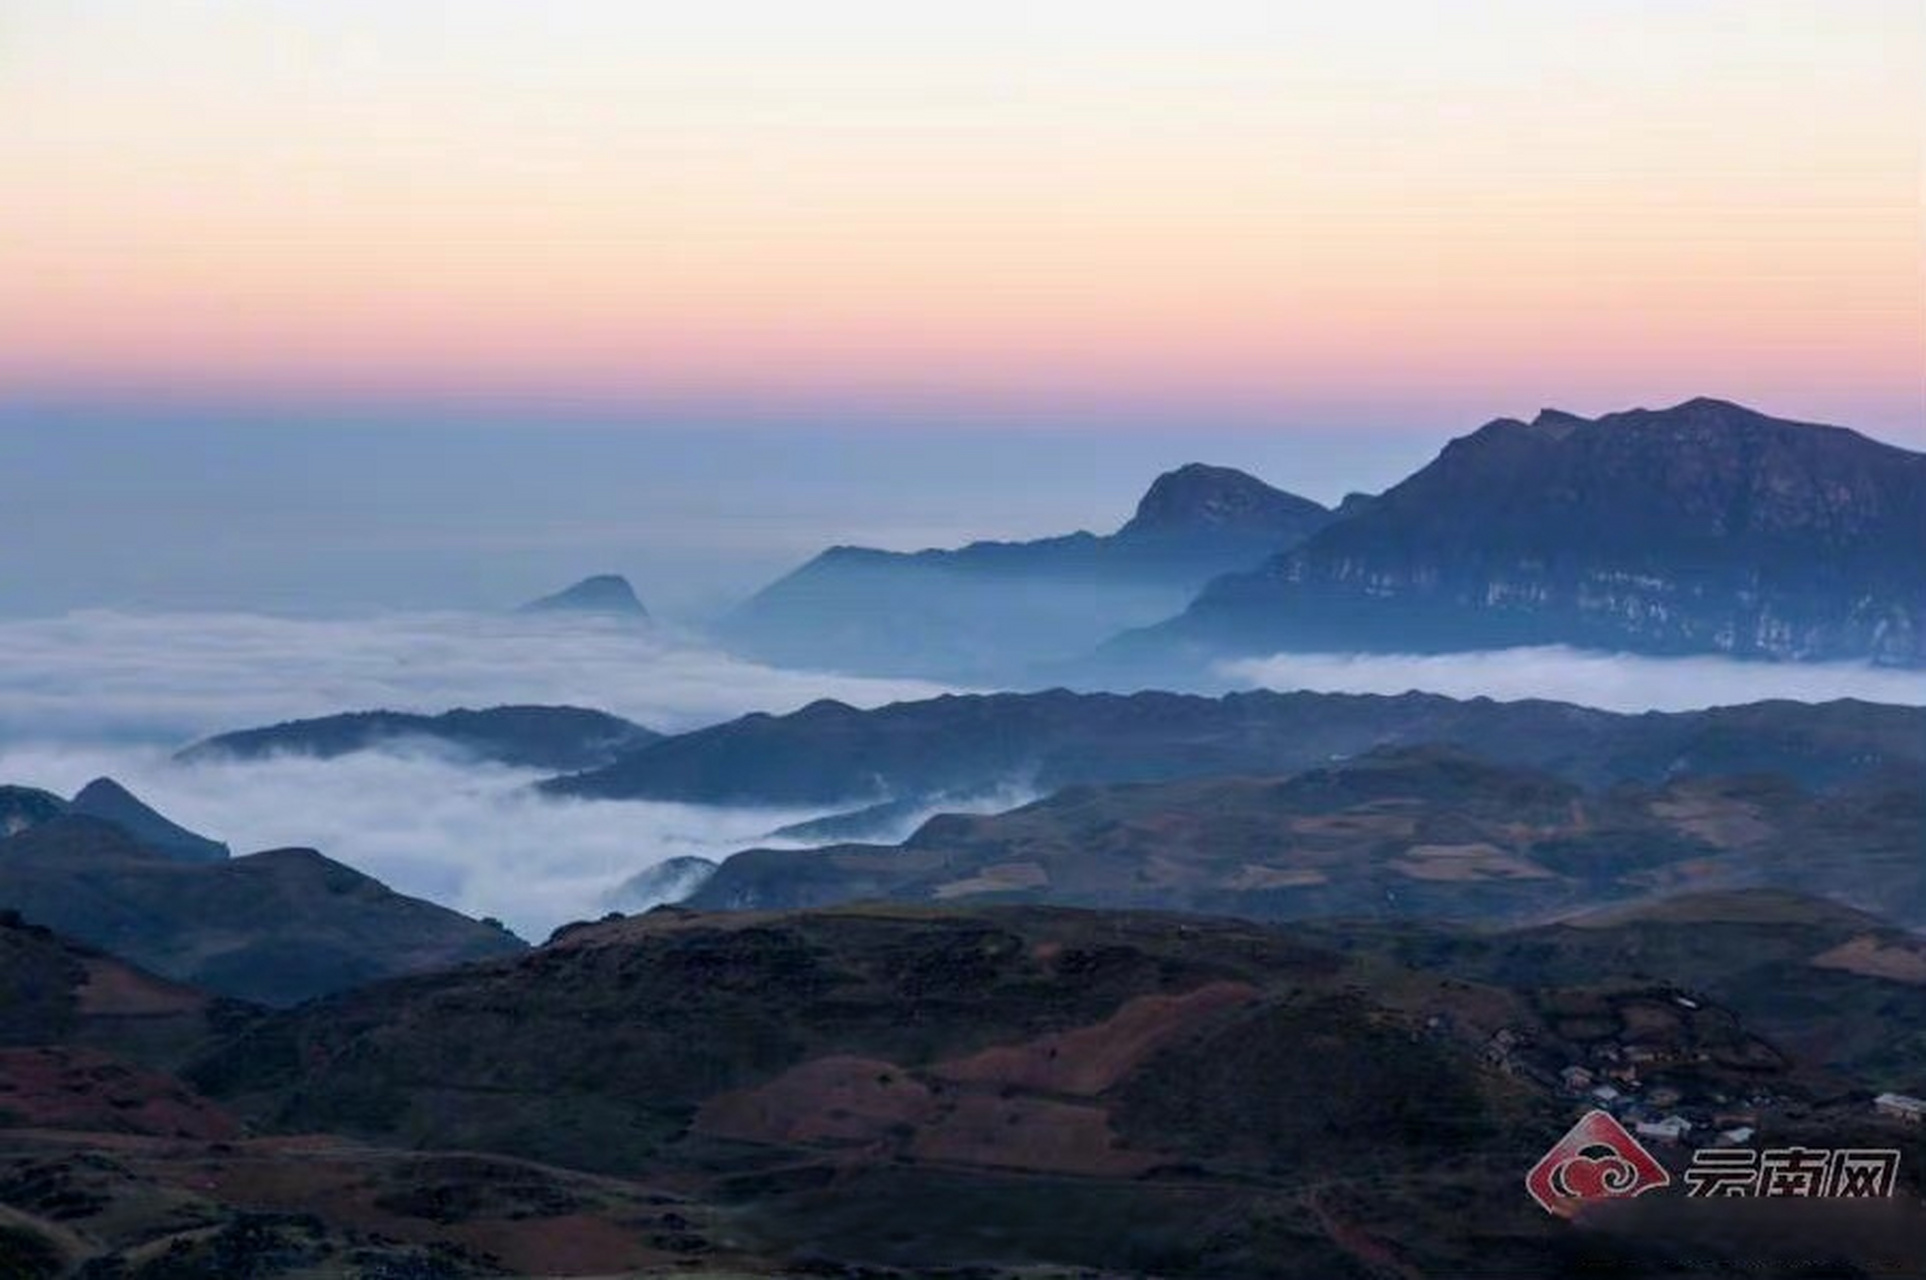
<point x="116" y="693"/>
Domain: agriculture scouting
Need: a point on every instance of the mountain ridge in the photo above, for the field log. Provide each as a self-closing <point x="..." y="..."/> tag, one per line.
<point x="272" y="927"/>
<point x="991" y="607"/>
<point x="541" y="737"/>
<point x="1421" y="832"/>
<point x="834" y="755"/>
<point x="1706" y="527"/>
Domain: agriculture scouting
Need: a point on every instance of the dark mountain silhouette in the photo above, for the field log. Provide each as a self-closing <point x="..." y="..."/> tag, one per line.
<point x="534" y="737"/>
<point x="831" y="754"/>
<point x="1703" y="528"/>
<point x="107" y="800"/>
<point x="1420" y="832"/>
<point x="991" y="608"/>
<point x="274" y="927"/>
<point x="605" y="593"/>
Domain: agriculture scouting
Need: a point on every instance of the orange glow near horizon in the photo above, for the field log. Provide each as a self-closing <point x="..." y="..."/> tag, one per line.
<point x="1225" y="208"/>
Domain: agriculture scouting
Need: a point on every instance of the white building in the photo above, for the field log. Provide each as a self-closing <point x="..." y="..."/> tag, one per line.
<point x="1901" y="1106"/>
<point x="1670" y="1129"/>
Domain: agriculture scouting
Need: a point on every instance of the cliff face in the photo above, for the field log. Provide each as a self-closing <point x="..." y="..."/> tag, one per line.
<point x="1704" y="528"/>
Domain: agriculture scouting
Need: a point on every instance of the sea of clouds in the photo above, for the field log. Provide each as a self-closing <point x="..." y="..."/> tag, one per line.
<point x="114" y="693"/>
<point x="1610" y="681"/>
<point x="107" y="693"/>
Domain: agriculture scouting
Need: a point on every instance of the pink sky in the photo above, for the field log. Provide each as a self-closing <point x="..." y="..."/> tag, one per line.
<point x="1405" y="211"/>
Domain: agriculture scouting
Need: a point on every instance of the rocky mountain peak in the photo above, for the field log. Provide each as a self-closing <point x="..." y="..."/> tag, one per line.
<point x="1196" y="498"/>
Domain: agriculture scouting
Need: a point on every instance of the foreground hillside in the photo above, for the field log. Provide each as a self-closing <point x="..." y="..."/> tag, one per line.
<point x="998" y="1094"/>
<point x="912" y="1089"/>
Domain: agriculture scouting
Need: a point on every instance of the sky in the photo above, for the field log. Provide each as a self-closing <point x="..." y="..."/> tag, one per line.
<point x="1384" y="215"/>
<point x="324" y="512"/>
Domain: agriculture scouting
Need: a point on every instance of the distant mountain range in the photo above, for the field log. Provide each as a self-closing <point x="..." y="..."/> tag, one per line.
<point x="1703" y="528"/>
<point x="1423" y="833"/>
<point x="274" y="927"/>
<point x="528" y="736"/>
<point x="832" y="754"/>
<point x="607" y="594"/>
<point x="991" y="608"/>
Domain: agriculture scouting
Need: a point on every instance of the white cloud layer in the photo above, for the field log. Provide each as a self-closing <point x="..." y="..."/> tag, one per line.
<point x="467" y="836"/>
<point x="114" y="693"/>
<point x="100" y="675"/>
<point x="1612" y="681"/>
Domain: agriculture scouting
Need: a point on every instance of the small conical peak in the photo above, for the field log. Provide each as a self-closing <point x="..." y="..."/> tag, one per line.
<point x="104" y="790"/>
<point x="108" y="801"/>
<point x="607" y="593"/>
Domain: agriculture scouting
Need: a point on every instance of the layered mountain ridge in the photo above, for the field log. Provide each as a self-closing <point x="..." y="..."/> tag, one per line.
<point x="1703" y="528"/>
<point x="829" y="753"/>
<point x="990" y="609"/>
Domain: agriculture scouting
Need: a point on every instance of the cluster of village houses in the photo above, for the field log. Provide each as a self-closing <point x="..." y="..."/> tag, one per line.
<point x="1660" y="1112"/>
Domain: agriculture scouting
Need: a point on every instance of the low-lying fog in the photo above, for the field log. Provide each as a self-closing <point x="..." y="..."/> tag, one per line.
<point x="114" y="693"/>
<point x="1611" y="681"/>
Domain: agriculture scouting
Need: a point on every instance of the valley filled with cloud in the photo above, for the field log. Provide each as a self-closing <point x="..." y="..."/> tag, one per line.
<point x="112" y="693"/>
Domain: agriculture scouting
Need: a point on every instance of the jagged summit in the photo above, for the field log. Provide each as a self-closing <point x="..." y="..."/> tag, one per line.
<point x="604" y="593"/>
<point x="1558" y="423"/>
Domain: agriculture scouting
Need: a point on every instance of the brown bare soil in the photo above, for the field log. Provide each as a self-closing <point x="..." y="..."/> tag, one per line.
<point x="1089" y="1060"/>
<point x="1039" y="1134"/>
<point x="834" y="1099"/>
<point x="1722" y="821"/>
<point x="1867" y="955"/>
<point x="1478" y="861"/>
<point x="57" y="1087"/>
